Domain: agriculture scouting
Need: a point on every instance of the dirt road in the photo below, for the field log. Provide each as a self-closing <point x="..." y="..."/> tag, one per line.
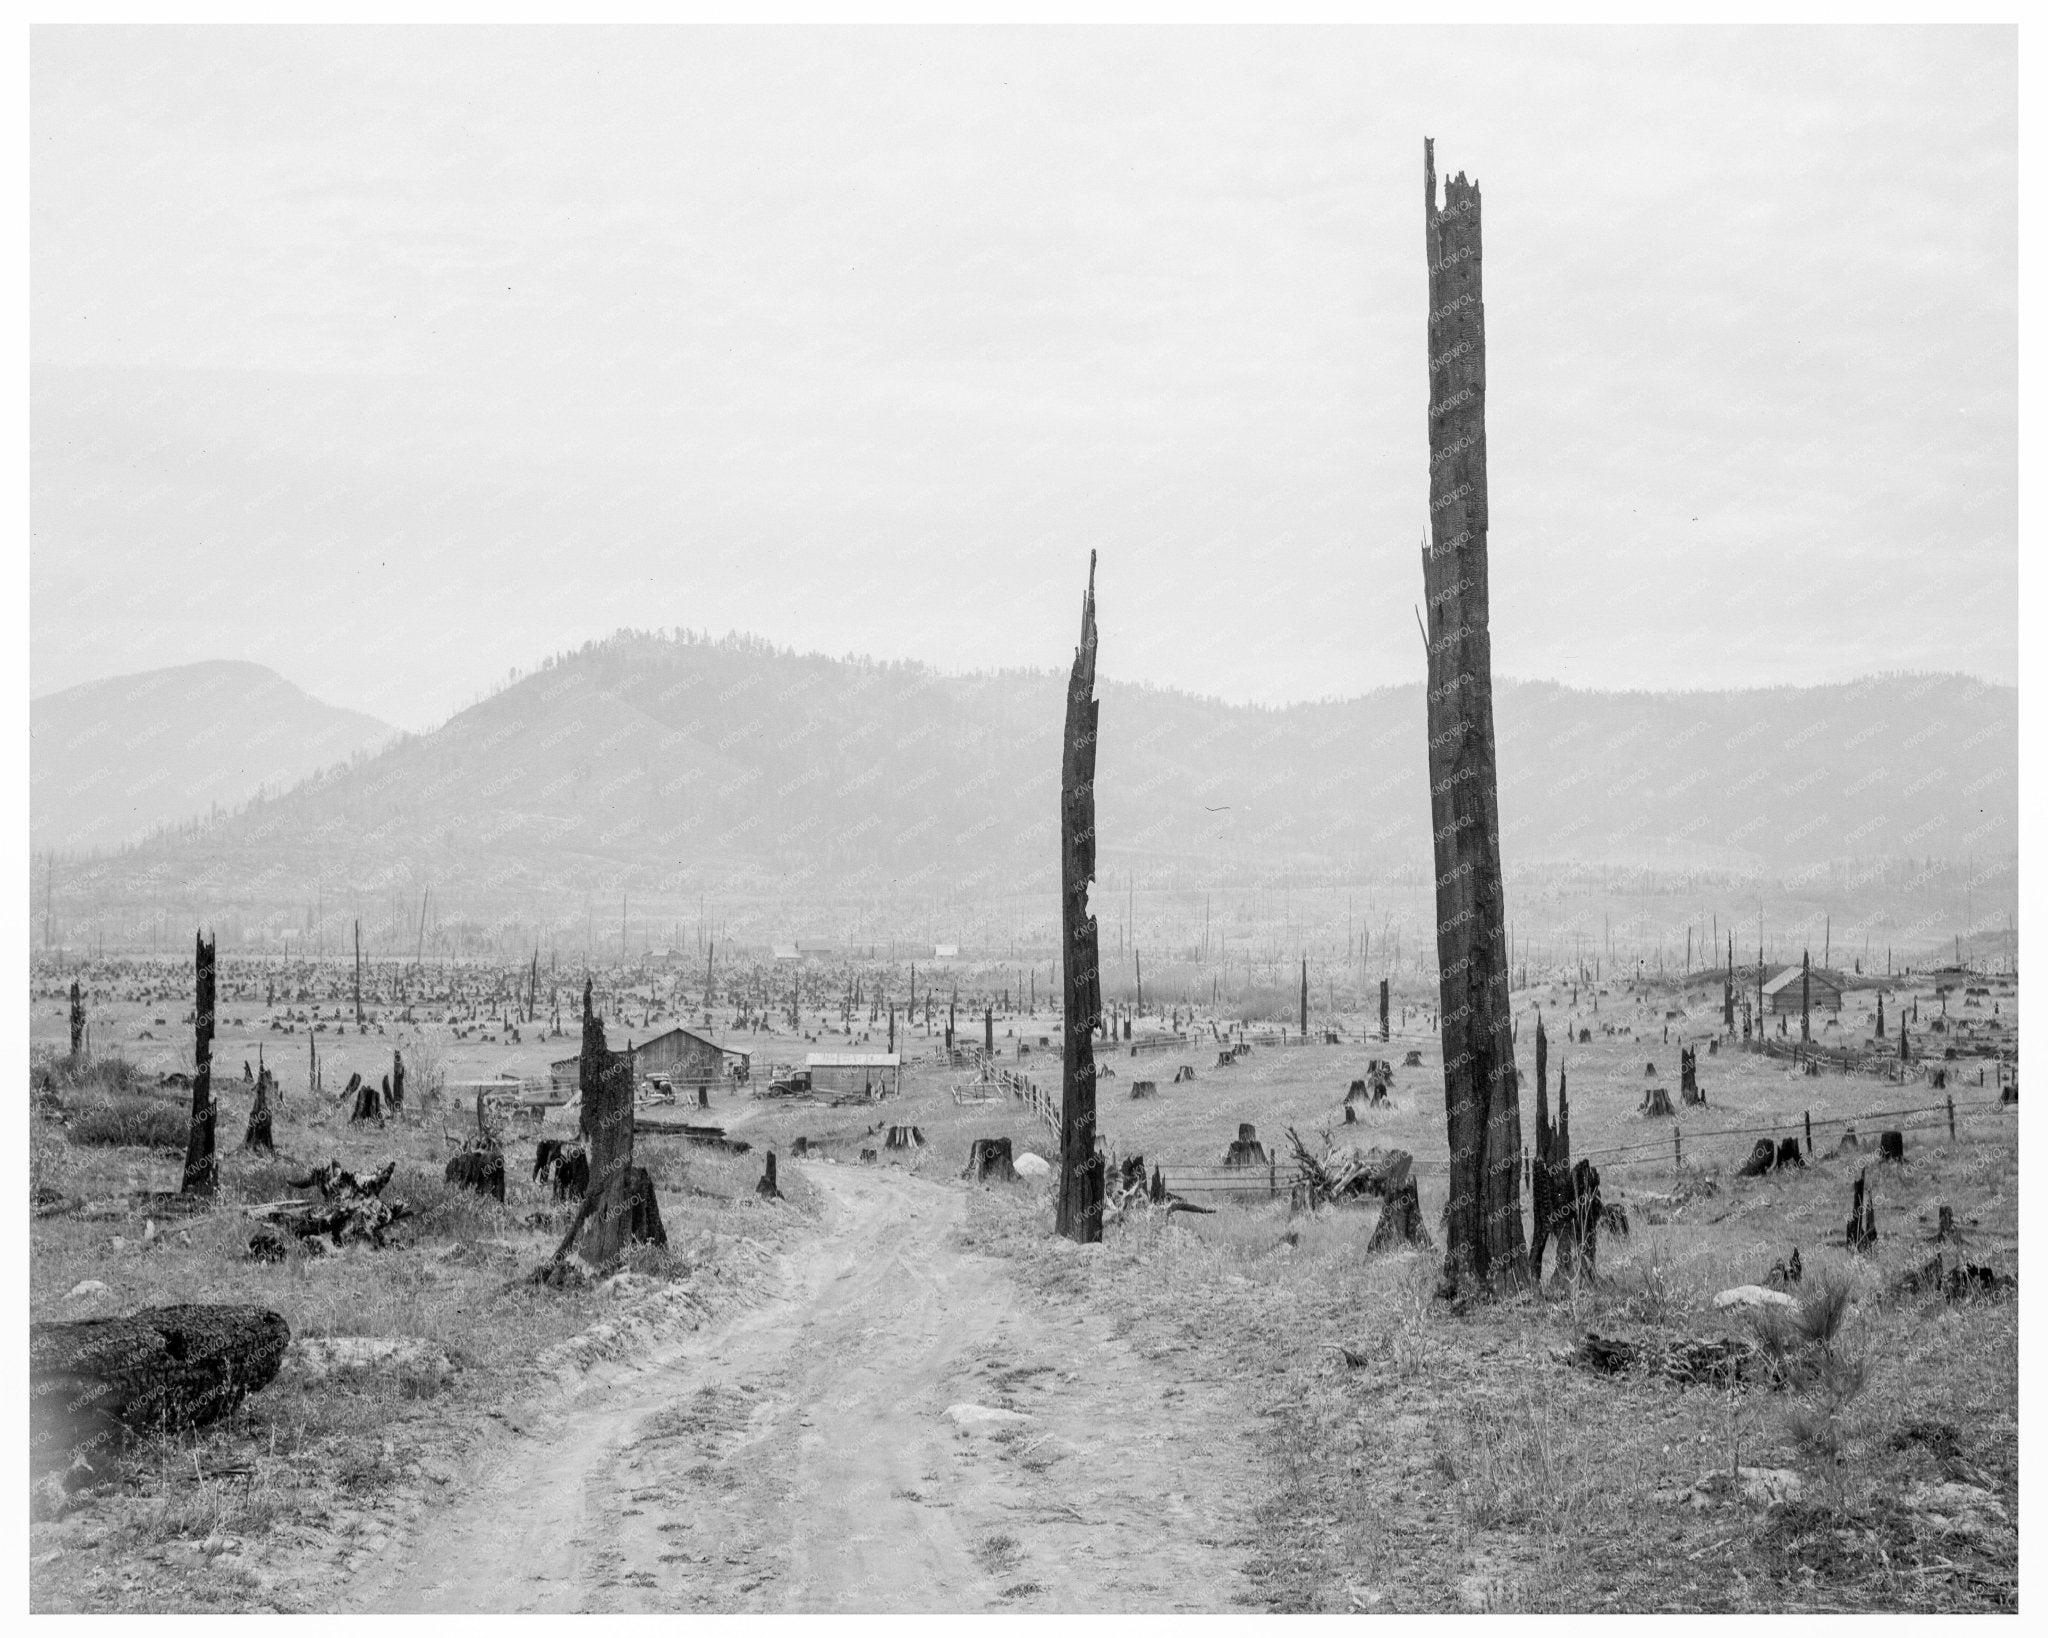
<point x="900" y="1428"/>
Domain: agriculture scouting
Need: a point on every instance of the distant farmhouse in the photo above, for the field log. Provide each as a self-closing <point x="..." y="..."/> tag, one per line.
<point x="805" y="949"/>
<point x="683" y="1056"/>
<point x="1824" y="993"/>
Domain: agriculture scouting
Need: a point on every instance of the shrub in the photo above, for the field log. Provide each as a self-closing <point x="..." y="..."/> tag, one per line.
<point x="129" y="1122"/>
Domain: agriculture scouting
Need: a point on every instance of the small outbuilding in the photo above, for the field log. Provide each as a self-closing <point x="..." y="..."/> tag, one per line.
<point x="1782" y="992"/>
<point x="878" y="1074"/>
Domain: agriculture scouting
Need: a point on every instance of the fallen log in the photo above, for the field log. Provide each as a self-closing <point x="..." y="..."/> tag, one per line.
<point x="94" y="1384"/>
<point x="1719" y="1362"/>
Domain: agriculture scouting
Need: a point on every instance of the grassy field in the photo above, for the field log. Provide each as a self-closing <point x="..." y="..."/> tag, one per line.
<point x="1459" y="1464"/>
<point x="276" y="1507"/>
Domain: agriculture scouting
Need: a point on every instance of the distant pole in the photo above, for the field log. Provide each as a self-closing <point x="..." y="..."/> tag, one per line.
<point x="1805" y="995"/>
<point x="1304" y="998"/>
<point x="359" y="972"/>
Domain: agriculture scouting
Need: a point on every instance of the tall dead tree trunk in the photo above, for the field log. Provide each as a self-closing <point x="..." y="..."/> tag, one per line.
<point x="1539" y="1174"/>
<point x="201" y="1170"/>
<point x="359" y="972"/>
<point x="1079" y="1216"/>
<point x="1384" y="1032"/>
<point x="1304" y="998"/>
<point x="1728" y="990"/>
<point x="1805" y="996"/>
<point x="77" y="1022"/>
<point x="1484" y="1240"/>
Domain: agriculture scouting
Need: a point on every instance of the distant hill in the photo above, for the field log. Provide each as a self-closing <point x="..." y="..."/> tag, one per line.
<point x="110" y="761"/>
<point x="665" y="767"/>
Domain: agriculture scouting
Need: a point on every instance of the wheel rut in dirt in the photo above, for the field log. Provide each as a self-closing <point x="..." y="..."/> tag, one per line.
<point x="900" y="1427"/>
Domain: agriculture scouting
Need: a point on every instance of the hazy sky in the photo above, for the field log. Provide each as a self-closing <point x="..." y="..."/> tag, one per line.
<point x="395" y="359"/>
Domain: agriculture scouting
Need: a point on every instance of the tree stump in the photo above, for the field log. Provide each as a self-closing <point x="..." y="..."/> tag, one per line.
<point x="258" y="1137"/>
<point x="1891" y="1146"/>
<point x="95" y="1383"/>
<point x="990" y="1158"/>
<point x="1247" y="1150"/>
<point x="643" y="1211"/>
<point x="1400" y="1222"/>
<point x="799" y="1146"/>
<point x="1656" y="1102"/>
<point x="766" y="1189"/>
<point x="480" y="1170"/>
<point x="1144" y="1089"/>
<point x="1762" y="1157"/>
<point x="364" y="1104"/>
<point x="1789" y="1155"/>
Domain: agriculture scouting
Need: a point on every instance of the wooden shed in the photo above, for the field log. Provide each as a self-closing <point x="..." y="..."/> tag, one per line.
<point x="1781" y="993"/>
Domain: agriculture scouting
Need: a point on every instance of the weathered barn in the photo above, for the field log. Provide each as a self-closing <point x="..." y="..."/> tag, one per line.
<point x="683" y="1056"/>
<point x="1824" y="993"/>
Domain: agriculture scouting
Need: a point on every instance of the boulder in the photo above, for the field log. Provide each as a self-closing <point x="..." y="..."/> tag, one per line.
<point x="1030" y="1165"/>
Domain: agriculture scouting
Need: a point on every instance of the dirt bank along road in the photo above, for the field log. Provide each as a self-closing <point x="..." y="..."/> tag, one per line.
<point x="899" y="1428"/>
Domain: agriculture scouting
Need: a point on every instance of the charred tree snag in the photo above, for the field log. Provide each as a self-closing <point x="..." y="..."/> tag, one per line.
<point x="202" y="1172"/>
<point x="605" y="1079"/>
<point x="1079" y="1216"/>
<point x="258" y="1134"/>
<point x="1542" y="1187"/>
<point x="1483" y="1240"/>
<point x="359" y="972"/>
<point x="77" y="1022"/>
<point x="766" y="1188"/>
<point x="395" y="1100"/>
<point x="1383" y="1010"/>
<point x="94" y="1383"/>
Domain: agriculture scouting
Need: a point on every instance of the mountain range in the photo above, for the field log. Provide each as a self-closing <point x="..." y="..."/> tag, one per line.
<point x="668" y="765"/>
<point x="113" y="760"/>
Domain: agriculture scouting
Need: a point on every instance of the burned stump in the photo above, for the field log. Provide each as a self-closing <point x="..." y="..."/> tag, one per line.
<point x="1891" y="1146"/>
<point x="1656" y="1102"/>
<point x="904" y="1137"/>
<point x="1789" y="1155"/>
<point x="480" y="1170"/>
<point x="1247" y="1150"/>
<point x="93" y="1384"/>
<point x="1762" y="1157"/>
<point x="1400" y="1222"/>
<point x="562" y="1166"/>
<point x="990" y="1158"/>
<point x="1144" y="1089"/>
<point x="766" y="1188"/>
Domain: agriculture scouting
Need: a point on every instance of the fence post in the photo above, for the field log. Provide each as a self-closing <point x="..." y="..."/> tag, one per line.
<point x="1809" y="1134"/>
<point x="1272" y="1176"/>
<point x="1951" y="1117"/>
<point x="1677" y="1154"/>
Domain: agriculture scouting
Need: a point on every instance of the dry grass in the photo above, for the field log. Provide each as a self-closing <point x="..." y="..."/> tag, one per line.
<point x="1461" y="1466"/>
<point x="270" y="1508"/>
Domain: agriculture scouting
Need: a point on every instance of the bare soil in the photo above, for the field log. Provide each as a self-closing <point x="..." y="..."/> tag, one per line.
<point x="800" y="1456"/>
